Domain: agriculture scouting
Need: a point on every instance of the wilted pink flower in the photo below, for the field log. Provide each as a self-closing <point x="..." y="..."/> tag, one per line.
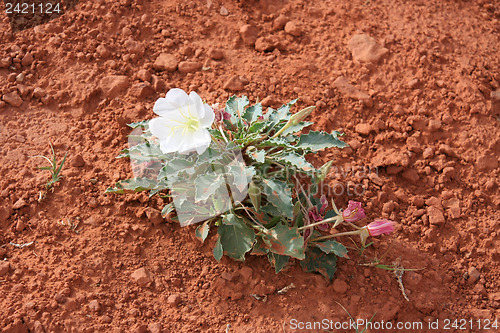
<point x="353" y="212"/>
<point x="379" y="227"/>
<point x="314" y="216"/>
<point x="324" y="204"/>
<point x="220" y="114"/>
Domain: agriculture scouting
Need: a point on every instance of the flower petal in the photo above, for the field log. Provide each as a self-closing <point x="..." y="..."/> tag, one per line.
<point x="208" y="117"/>
<point x="161" y="127"/>
<point x="175" y="99"/>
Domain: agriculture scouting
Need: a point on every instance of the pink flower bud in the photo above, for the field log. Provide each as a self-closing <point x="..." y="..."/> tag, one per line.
<point x="353" y="212"/>
<point x="379" y="227"/>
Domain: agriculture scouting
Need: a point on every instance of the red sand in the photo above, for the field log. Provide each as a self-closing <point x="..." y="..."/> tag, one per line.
<point x="424" y="110"/>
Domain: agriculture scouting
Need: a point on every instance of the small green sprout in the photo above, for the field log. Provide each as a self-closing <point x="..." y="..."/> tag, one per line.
<point x="55" y="172"/>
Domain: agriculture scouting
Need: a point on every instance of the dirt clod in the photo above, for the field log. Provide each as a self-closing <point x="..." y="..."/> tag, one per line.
<point x="142" y="277"/>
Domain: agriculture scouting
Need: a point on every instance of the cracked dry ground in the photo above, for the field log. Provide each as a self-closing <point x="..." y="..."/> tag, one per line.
<point x="414" y="85"/>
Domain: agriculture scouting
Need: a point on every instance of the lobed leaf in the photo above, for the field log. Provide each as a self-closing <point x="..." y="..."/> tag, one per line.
<point x="257" y="155"/>
<point x="235" y="106"/>
<point x="320" y="140"/>
<point x="297" y="161"/>
<point x="331" y="246"/>
<point x="297" y="128"/>
<point x="285" y="241"/>
<point x="132" y="185"/>
<point x="253" y="113"/>
<point x="207" y="184"/>
<point x="278" y="261"/>
<point x="279" y="194"/>
<point x="318" y="261"/>
<point x="235" y="237"/>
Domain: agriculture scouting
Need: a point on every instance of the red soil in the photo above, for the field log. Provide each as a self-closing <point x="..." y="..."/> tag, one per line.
<point x="424" y="110"/>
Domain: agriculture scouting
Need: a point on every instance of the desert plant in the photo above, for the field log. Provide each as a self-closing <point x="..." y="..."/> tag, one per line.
<point x="54" y="170"/>
<point x="245" y="172"/>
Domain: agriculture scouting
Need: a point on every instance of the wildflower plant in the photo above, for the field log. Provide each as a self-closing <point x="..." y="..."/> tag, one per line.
<point x="54" y="170"/>
<point x="243" y="171"/>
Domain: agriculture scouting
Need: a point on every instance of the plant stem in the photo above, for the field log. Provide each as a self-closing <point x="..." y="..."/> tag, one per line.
<point x="332" y="219"/>
<point x="348" y="233"/>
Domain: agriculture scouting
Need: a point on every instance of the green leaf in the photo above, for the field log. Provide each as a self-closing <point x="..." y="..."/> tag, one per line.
<point x="278" y="261"/>
<point x="132" y="185"/>
<point x="260" y="248"/>
<point x="257" y="155"/>
<point x="202" y="231"/>
<point x="297" y="128"/>
<point x="276" y="142"/>
<point x="331" y="246"/>
<point x="279" y="194"/>
<point x="255" y="194"/>
<point x="174" y="166"/>
<point x="253" y="113"/>
<point x="297" y="161"/>
<point x="218" y="251"/>
<point x="320" y="140"/>
<point x="235" y="107"/>
<point x="285" y="241"/>
<point x="318" y="261"/>
<point x="167" y="209"/>
<point x="283" y="113"/>
<point x="207" y="184"/>
<point x="258" y="127"/>
<point x="235" y="236"/>
<point x="240" y="176"/>
<point x="143" y="152"/>
<point x="211" y="155"/>
<point x="144" y="124"/>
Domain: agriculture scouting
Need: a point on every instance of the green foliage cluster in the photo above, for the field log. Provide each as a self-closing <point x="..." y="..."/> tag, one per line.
<point x="249" y="185"/>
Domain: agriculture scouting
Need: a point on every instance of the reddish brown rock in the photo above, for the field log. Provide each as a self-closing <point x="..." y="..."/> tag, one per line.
<point x="142" y="90"/>
<point x="154" y="216"/>
<point x="189" y="66"/>
<point x="249" y="34"/>
<point x="13" y="99"/>
<point x="411" y="175"/>
<point x="235" y="83"/>
<point x="144" y="75"/>
<point x="142" y="277"/>
<point x="435" y="215"/>
<point x="487" y="162"/>
<point x="19" y="204"/>
<point x="27" y="59"/>
<point x="340" y="286"/>
<point x="5" y="213"/>
<point x="166" y="62"/>
<point x="366" y="49"/>
<point x="94" y="306"/>
<point x="158" y="84"/>
<point x="216" y="54"/>
<point x="4" y="267"/>
<point x="280" y="22"/>
<point x="363" y="129"/>
<point x="293" y="28"/>
<point x="113" y="85"/>
<point x="174" y="299"/>
<point x="135" y="47"/>
<point x="154" y="328"/>
<point x="390" y="156"/>
<point x="103" y="51"/>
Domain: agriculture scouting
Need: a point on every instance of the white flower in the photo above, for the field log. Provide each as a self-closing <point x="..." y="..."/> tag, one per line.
<point x="183" y="122"/>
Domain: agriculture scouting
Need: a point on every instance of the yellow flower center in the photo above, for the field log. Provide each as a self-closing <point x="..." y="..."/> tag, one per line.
<point x="192" y="124"/>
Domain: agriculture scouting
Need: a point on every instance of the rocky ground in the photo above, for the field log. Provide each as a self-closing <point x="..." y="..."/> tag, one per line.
<point x="414" y="85"/>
